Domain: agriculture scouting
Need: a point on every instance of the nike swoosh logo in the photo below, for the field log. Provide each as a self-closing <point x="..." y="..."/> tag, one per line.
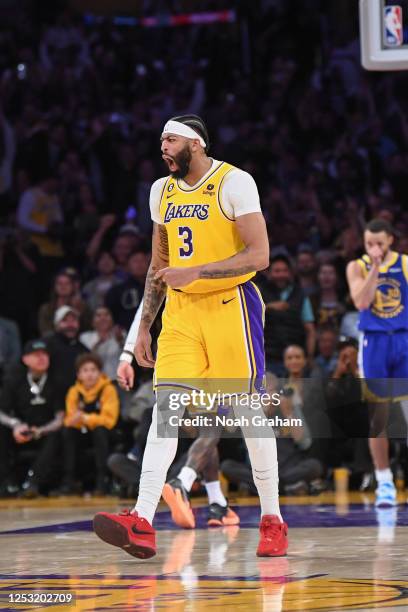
<point x="137" y="531"/>
<point x="226" y="301"/>
<point x="169" y="196"/>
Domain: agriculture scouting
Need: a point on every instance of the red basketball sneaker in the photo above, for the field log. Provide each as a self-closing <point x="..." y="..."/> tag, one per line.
<point x="274" y="537"/>
<point x="128" y="531"/>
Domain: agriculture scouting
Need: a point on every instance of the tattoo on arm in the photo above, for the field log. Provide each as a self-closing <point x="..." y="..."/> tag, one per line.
<point x="228" y="272"/>
<point x="163" y="243"/>
<point x="155" y="289"/>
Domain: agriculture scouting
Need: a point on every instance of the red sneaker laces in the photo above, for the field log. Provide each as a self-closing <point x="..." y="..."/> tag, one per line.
<point x="270" y="530"/>
<point x="125" y="512"/>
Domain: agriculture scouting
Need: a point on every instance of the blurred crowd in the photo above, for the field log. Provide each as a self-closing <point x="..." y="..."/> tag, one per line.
<point x="82" y="107"/>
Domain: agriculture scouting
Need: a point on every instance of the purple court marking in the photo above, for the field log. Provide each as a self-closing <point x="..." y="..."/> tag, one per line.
<point x="204" y="577"/>
<point x="322" y="515"/>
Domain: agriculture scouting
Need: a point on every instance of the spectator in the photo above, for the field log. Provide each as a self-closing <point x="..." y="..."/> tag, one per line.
<point x="63" y="294"/>
<point x="328" y="307"/>
<point x="308" y="393"/>
<point x="288" y="318"/>
<point x="39" y="212"/>
<point x="123" y="299"/>
<point x="31" y="406"/>
<point x="306" y="268"/>
<point x="121" y="251"/>
<point x="95" y="290"/>
<point x="105" y="340"/>
<point x="348" y="412"/>
<point x="64" y="346"/>
<point x="92" y="408"/>
<point x="326" y="357"/>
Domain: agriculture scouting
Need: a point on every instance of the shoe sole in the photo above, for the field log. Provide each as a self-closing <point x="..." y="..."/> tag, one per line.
<point x="181" y="513"/>
<point x="386" y="504"/>
<point x="116" y="534"/>
<point x="283" y="554"/>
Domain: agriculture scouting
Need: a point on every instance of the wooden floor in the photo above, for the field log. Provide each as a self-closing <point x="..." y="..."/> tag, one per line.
<point x="343" y="555"/>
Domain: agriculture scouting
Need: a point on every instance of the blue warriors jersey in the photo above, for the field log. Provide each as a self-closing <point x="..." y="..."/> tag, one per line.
<point x="389" y="309"/>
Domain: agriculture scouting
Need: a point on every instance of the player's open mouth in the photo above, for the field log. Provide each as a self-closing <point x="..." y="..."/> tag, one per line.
<point x="169" y="161"/>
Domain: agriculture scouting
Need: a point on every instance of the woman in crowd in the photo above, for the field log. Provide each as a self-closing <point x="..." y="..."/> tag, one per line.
<point x="105" y="340"/>
<point x="63" y="293"/>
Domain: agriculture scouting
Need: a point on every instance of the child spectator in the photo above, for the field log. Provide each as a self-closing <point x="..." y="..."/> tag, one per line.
<point x="92" y="410"/>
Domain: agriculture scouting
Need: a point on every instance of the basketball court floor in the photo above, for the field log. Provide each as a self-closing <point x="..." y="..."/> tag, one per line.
<point x="343" y="555"/>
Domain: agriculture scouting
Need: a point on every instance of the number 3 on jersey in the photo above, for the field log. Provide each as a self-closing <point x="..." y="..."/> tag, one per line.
<point x="187" y="235"/>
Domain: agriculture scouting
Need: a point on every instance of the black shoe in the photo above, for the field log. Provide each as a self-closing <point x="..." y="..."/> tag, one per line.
<point x="367" y="482"/>
<point x="297" y="488"/>
<point x="317" y="486"/>
<point x="125" y="468"/>
<point x="29" y="490"/>
<point x="219" y="516"/>
<point x="177" y="484"/>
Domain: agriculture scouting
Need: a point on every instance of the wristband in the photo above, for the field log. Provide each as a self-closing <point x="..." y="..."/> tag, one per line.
<point x="126" y="356"/>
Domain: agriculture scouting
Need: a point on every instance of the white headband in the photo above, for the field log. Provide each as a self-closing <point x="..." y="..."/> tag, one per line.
<point x="180" y="129"/>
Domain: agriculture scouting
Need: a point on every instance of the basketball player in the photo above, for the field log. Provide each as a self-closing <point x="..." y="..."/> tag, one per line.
<point x="379" y="288"/>
<point x="209" y="239"/>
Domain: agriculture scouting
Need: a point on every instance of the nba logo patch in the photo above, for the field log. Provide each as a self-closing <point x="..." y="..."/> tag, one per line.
<point x="393" y="32"/>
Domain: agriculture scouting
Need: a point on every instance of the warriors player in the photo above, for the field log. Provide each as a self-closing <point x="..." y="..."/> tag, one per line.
<point x="379" y="288"/>
<point x="209" y="239"/>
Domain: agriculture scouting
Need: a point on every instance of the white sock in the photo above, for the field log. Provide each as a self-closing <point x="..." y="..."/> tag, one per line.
<point x="383" y="476"/>
<point x="158" y="456"/>
<point x="215" y="495"/>
<point x="264" y="461"/>
<point x="187" y="476"/>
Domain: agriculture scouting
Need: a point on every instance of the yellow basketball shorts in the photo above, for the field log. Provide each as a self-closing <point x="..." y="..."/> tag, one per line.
<point x="216" y="336"/>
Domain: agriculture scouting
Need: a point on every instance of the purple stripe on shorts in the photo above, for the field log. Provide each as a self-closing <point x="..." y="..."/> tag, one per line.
<point x="247" y="338"/>
<point x="255" y="315"/>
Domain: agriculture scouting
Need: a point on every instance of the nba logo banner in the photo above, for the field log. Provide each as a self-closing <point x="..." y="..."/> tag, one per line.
<point x="393" y="33"/>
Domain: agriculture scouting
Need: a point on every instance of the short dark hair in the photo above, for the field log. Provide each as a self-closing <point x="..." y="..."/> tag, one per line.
<point x="280" y="257"/>
<point x="88" y="358"/>
<point x="197" y="124"/>
<point x="379" y="225"/>
<point x="345" y="341"/>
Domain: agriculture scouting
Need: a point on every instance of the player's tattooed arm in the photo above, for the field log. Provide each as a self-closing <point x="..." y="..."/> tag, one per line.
<point x="253" y="257"/>
<point x="223" y="271"/>
<point x="155" y="288"/>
